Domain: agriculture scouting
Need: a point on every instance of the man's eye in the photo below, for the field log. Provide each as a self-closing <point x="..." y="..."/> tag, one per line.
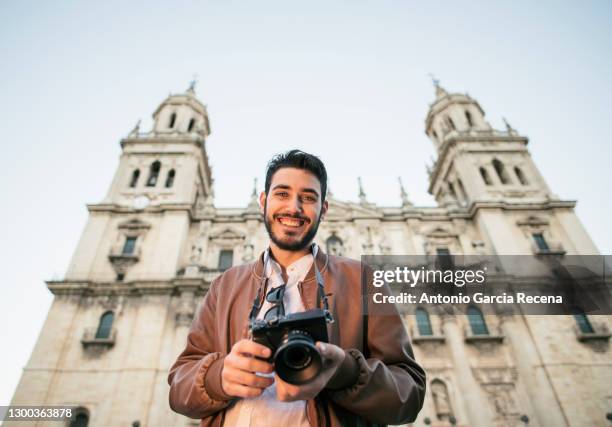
<point x="310" y="198"/>
<point x="282" y="194"/>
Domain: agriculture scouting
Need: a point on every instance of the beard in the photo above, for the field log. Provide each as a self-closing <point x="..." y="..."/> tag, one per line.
<point x="296" y="245"/>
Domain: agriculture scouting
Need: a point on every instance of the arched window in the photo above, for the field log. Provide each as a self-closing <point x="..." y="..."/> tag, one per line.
<point x="462" y="190"/>
<point x="485" y="176"/>
<point x="450" y="122"/>
<point x="106" y="323"/>
<point x="583" y="323"/>
<point x="334" y="245"/>
<point x="477" y="321"/>
<point x="451" y="189"/>
<point x="172" y="120"/>
<point x="80" y="418"/>
<point x="153" y="174"/>
<point x="135" y="176"/>
<point x="423" y="323"/>
<point x="170" y="178"/>
<point x="501" y="171"/>
<point x="468" y="116"/>
<point x="520" y="175"/>
<point x="191" y="125"/>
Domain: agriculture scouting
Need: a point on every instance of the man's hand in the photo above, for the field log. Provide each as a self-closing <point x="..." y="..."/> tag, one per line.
<point x="238" y="377"/>
<point x="333" y="356"/>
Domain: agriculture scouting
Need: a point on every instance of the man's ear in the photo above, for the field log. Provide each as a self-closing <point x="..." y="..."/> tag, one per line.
<point x="324" y="209"/>
<point x="262" y="201"/>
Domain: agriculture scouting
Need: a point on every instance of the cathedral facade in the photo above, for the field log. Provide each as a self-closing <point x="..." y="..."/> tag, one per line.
<point x="155" y="242"/>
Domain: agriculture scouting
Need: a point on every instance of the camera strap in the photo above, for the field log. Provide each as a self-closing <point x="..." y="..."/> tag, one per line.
<point x="257" y="301"/>
<point x="321" y="297"/>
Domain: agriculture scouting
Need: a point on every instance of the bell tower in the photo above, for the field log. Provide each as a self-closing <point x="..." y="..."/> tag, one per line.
<point x="182" y="114"/>
<point x="476" y="162"/>
<point x="146" y="213"/>
<point x="169" y="164"/>
<point x="488" y="175"/>
<point x="121" y="313"/>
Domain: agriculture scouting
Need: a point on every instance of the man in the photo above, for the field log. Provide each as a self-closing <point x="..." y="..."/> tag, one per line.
<point x="369" y="375"/>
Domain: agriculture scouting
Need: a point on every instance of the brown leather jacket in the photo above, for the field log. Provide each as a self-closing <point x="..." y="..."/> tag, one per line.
<point x="387" y="387"/>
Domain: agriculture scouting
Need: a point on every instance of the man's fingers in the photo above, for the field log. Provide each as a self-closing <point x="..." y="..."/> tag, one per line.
<point x="239" y="390"/>
<point x="248" y="379"/>
<point x="252" y="348"/>
<point x="249" y="364"/>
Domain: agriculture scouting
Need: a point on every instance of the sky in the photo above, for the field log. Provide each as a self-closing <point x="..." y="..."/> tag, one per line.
<point x="347" y="80"/>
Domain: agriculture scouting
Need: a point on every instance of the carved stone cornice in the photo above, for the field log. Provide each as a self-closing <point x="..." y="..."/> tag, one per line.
<point x="120" y="209"/>
<point x="149" y="287"/>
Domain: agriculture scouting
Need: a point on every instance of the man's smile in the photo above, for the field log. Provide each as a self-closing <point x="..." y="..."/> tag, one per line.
<point x="292" y="222"/>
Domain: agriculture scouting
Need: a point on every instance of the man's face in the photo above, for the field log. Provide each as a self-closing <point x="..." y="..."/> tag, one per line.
<point x="293" y="209"/>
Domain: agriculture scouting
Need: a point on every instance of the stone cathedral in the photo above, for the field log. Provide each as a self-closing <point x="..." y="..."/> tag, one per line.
<point x="155" y="242"/>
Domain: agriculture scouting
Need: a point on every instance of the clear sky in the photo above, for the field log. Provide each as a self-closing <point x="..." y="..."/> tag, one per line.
<point x="347" y="80"/>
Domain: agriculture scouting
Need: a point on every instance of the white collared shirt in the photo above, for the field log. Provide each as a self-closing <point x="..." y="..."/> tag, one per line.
<point x="265" y="410"/>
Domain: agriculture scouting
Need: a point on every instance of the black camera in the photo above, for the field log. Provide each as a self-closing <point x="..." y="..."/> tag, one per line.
<point x="292" y="340"/>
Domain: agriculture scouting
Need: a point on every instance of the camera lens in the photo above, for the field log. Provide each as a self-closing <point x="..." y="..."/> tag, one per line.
<point x="297" y="360"/>
<point x="297" y="357"/>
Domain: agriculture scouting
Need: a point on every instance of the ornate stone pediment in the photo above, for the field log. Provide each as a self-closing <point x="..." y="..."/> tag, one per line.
<point x="532" y="221"/>
<point x="347" y="210"/>
<point x="134" y="225"/>
<point x="227" y="234"/>
<point x="440" y="233"/>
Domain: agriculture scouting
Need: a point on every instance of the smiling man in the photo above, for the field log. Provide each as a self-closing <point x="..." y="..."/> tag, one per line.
<point x="367" y="374"/>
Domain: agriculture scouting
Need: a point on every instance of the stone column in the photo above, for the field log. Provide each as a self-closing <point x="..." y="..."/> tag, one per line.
<point x="471" y="395"/>
<point x="547" y="412"/>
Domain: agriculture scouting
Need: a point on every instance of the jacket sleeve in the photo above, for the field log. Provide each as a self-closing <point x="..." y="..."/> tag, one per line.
<point x="388" y="387"/>
<point x="195" y="377"/>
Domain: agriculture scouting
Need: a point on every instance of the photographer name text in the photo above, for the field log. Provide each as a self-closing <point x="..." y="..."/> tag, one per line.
<point x="478" y="297"/>
<point x="409" y="278"/>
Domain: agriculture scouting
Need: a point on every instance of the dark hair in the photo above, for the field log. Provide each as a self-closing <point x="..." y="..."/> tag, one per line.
<point x="299" y="160"/>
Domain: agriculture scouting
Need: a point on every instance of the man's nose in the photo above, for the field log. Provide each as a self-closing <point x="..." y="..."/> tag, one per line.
<point x="295" y="204"/>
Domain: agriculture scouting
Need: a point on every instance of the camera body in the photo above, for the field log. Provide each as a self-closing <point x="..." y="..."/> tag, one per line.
<point x="292" y="340"/>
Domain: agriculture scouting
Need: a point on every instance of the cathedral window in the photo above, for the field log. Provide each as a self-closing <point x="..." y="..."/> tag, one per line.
<point x="451" y="189"/>
<point x="226" y="259"/>
<point x="477" y="321"/>
<point x="468" y="117"/>
<point x="170" y="178"/>
<point x="583" y="323"/>
<point x="153" y="174"/>
<point x="134" y="180"/>
<point x="520" y="175"/>
<point x="191" y="125"/>
<point x="541" y="242"/>
<point x="172" y="120"/>
<point x="501" y="171"/>
<point x="444" y="259"/>
<point x="129" y="246"/>
<point x="450" y="123"/>
<point x="80" y="418"/>
<point x="423" y="323"/>
<point x="462" y="190"/>
<point x="106" y="323"/>
<point x="485" y="176"/>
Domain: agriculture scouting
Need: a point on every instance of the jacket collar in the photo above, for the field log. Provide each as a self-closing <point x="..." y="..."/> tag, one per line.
<point x="321" y="259"/>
